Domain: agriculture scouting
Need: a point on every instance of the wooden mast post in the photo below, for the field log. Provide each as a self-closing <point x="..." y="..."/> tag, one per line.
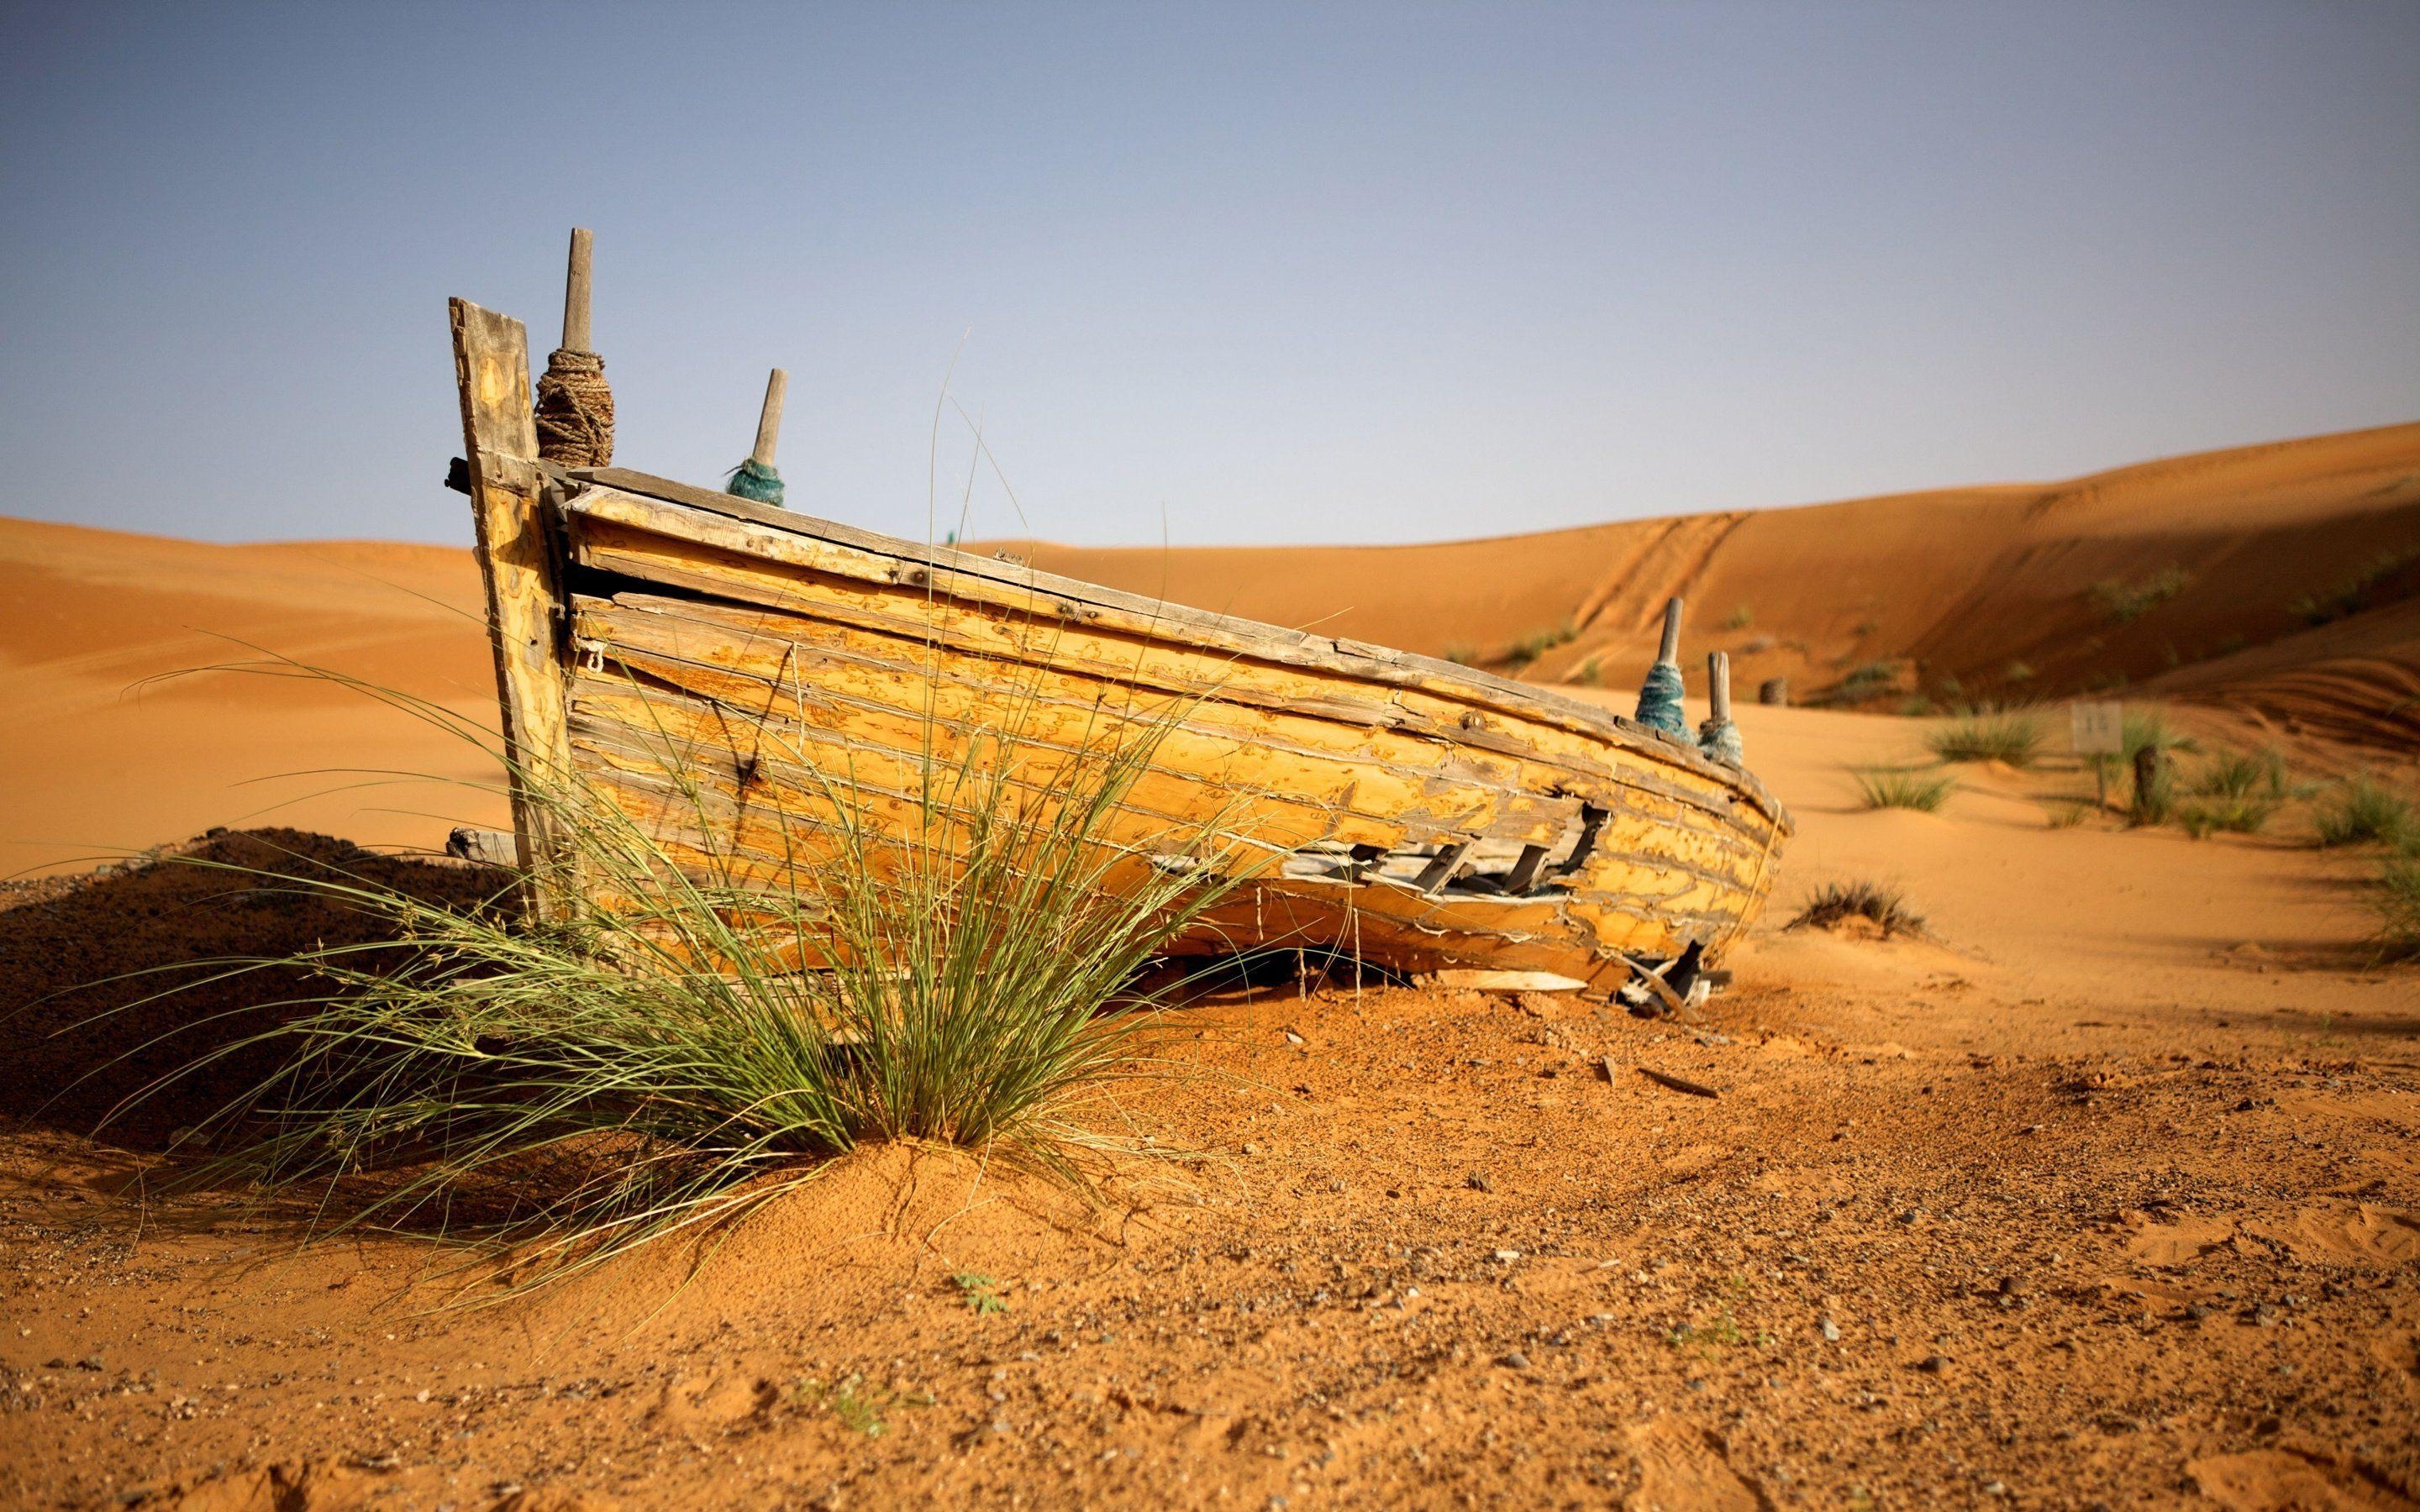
<point x="577" y="282"/>
<point x="769" y="419"/>
<point x="525" y="607"/>
<point x="1669" y="650"/>
<point x="1718" y="686"/>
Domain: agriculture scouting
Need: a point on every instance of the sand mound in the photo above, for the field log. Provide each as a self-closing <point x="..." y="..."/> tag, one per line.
<point x="878" y="1229"/>
<point x="108" y="984"/>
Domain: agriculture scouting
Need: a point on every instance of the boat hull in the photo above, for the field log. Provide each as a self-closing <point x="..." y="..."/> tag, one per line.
<point x="721" y="661"/>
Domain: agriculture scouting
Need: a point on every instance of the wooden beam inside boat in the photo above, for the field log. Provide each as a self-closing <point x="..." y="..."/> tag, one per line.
<point x="525" y="610"/>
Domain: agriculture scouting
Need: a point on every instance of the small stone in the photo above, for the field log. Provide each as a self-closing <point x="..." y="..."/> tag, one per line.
<point x="1477" y="1183"/>
<point x="1994" y="1488"/>
<point x="55" y="1363"/>
<point x="2015" y="1286"/>
<point x="2197" y="1311"/>
<point x="1508" y="1255"/>
<point x="1252" y="1150"/>
<point x="1831" y="1330"/>
<point x="1931" y="1364"/>
<point x="1514" y="1360"/>
<point x="90" y="1361"/>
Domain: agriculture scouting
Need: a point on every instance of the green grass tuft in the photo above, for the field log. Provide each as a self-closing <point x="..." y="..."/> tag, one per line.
<point x="2243" y="775"/>
<point x="2397" y="898"/>
<point x="1538" y="642"/>
<point x="2355" y="593"/>
<point x="2122" y="602"/>
<point x="938" y="968"/>
<point x="1462" y="654"/>
<point x="1898" y="788"/>
<point x="2235" y="814"/>
<point x="2015" y="738"/>
<point x="1739" y="618"/>
<point x="2366" y="810"/>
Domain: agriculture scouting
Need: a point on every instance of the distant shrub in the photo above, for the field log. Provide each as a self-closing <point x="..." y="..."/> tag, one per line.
<point x="2397" y="898"/>
<point x="2015" y="738"/>
<point x="1538" y="642"/>
<point x="2017" y="672"/>
<point x="2354" y="595"/>
<point x="1589" y="675"/>
<point x="2242" y="815"/>
<point x="1737" y="619"/>
<point x="1866" y="680"/>
<point x="2366" y="810"/>
<point x="2122" y="602"/>
<point x="1898" y="788"/>
<point x="1836" y="900"/>
<point x="1866" y="627"/>
<point x="1461" y="653"/>
<point x="2234" y="774"/>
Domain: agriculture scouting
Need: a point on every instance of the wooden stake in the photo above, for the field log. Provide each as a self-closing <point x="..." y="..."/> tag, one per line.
<point x="769" y="423"/>
<point x="1671" y="648"/>
<point x="576" y="290"/>
<point x="525" y="607"/>
<point x="1718" y="684"/>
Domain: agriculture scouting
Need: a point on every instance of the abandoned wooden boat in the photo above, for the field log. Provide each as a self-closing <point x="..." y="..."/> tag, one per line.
<point x="1415" y="813"/>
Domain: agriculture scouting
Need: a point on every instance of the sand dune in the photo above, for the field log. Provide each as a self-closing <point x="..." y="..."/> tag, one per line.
<point x="2148" y="578"/>
<point x="2179" y="578"/>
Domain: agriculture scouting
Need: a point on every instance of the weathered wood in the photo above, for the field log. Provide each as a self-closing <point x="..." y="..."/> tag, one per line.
<point x="519" y="565"/>
<point x="769" y="419"/>
<point x="1668" y="649"/>
<point x="577" y="286"/>
<point x="842" y="585"/>
<point x="1718" y="686"/>
<point x="765" y="533"/>
<point x="1463" y="979"/>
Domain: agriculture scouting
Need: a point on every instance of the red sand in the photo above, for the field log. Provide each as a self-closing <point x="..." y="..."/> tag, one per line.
<point x="2106" y="1193"/>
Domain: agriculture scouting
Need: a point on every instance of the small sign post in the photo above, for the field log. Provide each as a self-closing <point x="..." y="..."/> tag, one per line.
<point x="2097" y="730"/>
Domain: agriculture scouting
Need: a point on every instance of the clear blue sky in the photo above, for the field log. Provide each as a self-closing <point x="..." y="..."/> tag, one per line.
<point x="1283" y="274"/>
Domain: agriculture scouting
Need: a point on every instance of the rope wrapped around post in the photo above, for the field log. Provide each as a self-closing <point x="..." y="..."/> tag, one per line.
<point x="755" y="478"/>
<point x="1659" y="696"/>
<point x="575" y="408"/>
<point x="1718" y="737"/>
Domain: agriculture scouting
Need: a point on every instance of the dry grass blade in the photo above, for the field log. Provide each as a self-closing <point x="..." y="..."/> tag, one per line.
<point x="689" y="1043"/>
<point x="1875" y="902"/>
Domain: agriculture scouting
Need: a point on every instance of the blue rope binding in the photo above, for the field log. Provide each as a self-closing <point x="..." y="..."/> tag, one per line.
<point x="752" y="479"/>
<point x="1720" y="739"/>
<point x="1659" y="701"/>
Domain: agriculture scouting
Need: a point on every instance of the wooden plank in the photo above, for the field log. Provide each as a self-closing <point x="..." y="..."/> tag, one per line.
<point x="517" y="563"/>
<point x="822" y="589"/>
<point x="761" y="531"/>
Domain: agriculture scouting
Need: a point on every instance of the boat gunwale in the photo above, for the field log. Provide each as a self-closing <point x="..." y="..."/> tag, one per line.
<point x="1278" y="645"/>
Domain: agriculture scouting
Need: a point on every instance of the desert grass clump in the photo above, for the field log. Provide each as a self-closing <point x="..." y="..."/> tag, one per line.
<point x="2395" y="896"/>
<point x="2365" y="810"/>
<point x="2355" y="594"/>
<point x="2240" y="815"/>
<point x="674" y="1039"/>
<point x="2244" y="775"/>
<point x="1739" y="618"/>
<point x="1462" y="654"/>
<point x="1883" y="904"/>
<point x="1538" y="642"/>
<point x="2122" y="602"/>
<point x="1891" y="787"/>
<point x="2013" y="737"/>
